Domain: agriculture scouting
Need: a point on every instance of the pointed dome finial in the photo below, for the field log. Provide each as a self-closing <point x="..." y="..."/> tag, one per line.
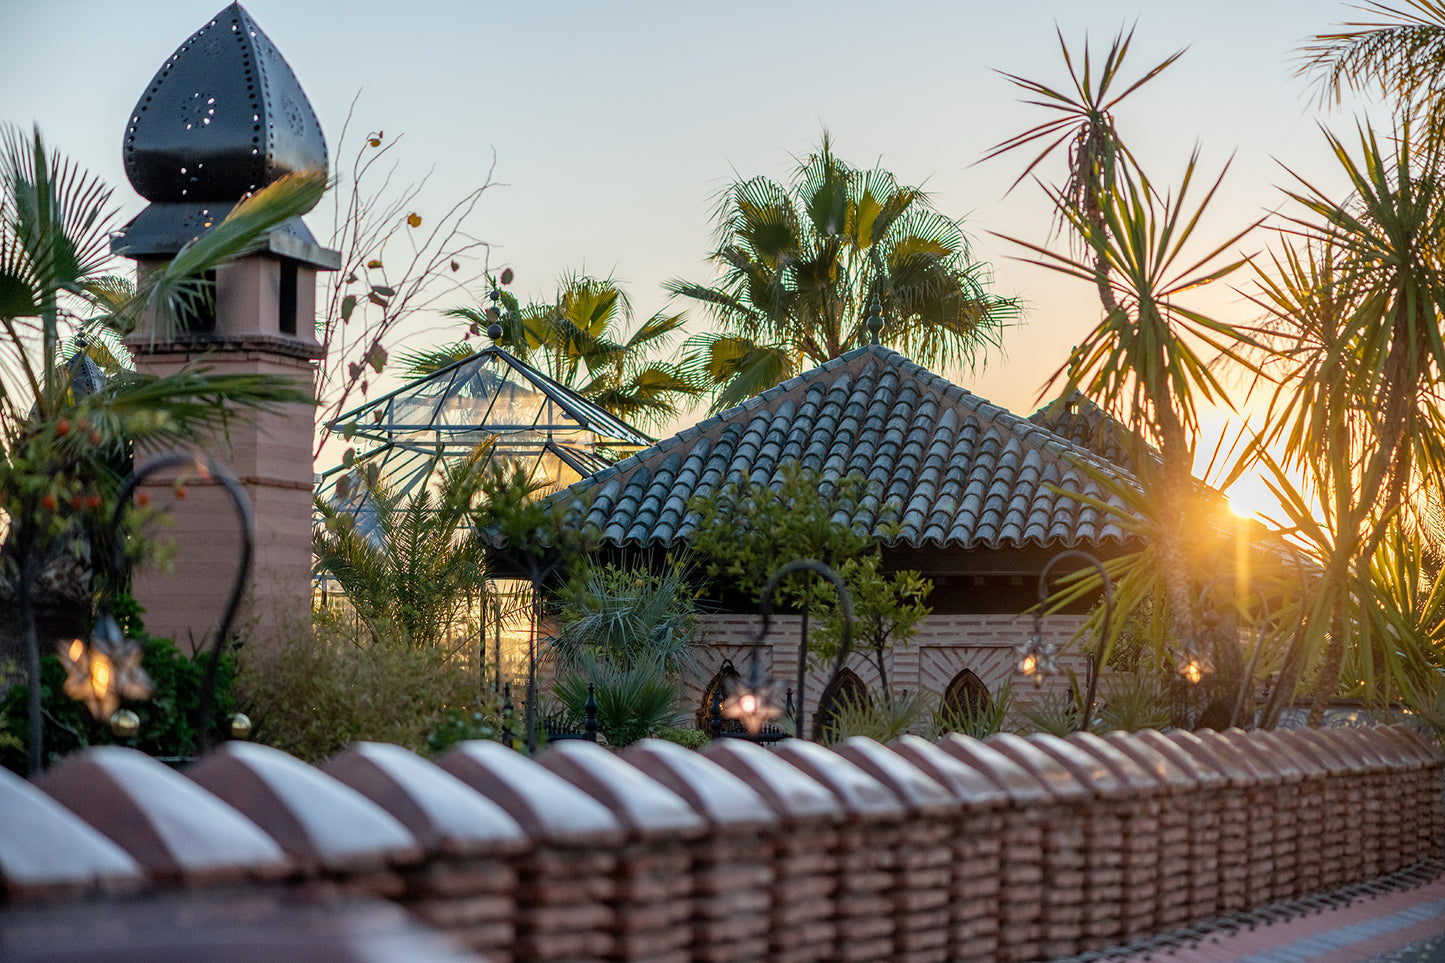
<point x="224" y="116"/>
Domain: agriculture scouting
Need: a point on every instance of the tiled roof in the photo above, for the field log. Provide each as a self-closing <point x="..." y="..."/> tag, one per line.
<point x="954" y="469"/>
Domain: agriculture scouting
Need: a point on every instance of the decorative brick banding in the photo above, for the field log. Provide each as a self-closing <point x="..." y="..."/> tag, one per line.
<point x="1009" y="849"/>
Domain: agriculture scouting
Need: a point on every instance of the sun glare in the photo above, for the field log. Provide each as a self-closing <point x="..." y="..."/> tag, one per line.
<point x="1250" y="497"/>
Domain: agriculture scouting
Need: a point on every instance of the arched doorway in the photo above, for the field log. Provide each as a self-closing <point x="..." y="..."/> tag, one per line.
<point x="845" y="689"/>
<point x="717" y="689"/>
<point x="966" y="702"/>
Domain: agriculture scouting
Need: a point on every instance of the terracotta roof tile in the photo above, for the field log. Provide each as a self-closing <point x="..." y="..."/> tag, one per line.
<point x="949" y="467"/>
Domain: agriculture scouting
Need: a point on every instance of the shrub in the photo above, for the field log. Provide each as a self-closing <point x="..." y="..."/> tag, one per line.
<point x="167" y="720"/>
<point x="882" y="720"/>
<point x="325" y="688"/>
<point x="979" y="722"/>
<point x="633" y="702"/>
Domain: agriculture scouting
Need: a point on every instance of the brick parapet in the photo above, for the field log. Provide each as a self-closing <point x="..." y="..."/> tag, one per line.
<point x="1009" y="849"/>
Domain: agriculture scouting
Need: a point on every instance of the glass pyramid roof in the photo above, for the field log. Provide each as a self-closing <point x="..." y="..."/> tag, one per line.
<point x="490" y="397"/>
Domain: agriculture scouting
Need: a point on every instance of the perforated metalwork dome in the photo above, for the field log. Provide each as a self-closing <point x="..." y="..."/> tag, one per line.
<point x="224" y="116"/>
<point x="490" y="397"/>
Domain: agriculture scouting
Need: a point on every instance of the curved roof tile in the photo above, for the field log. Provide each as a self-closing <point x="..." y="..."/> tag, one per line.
<point x="949" y="467"/>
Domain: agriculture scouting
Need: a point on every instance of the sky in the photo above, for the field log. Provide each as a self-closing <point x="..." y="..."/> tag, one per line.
<point x="610" y="128"/>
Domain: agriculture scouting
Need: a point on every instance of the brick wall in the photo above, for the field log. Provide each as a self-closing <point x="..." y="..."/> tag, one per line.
<point x="944" y="646"/>
<point x="1007" y="849"/>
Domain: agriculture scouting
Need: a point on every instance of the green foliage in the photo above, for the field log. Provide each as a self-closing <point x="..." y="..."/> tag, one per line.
<point x="746" y="532"/>
<point x="1054" y="712"/>
<point x="321" y="690"/>
<point x="978" y="722"/>
<point x="685" y="737"/>
<point x="576" y="339"/>
<point x="882" y="720"/>
<point x="415" y="575"/>
<point x="1133" y="701"/>
<point x="167" y="721"/>
<point x="626" y="616"/>
<point x="633" y="702"/>
<point x="800" y="263"/>
<point x="461" y="726"/>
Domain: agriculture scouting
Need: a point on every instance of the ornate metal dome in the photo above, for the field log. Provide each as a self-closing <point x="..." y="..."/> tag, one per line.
<point x="223" y="116"/>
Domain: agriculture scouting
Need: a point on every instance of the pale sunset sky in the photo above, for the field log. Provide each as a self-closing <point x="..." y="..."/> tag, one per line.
<point x="614" y="125"/>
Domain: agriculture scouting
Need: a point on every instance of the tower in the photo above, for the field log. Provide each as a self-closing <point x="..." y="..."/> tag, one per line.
<point x="225" y="116"/>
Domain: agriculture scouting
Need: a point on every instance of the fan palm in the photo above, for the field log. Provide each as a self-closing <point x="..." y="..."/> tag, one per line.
<point x="60" y="448"/>
<point x="801" y="262"/>
<point x="576" y="339"/>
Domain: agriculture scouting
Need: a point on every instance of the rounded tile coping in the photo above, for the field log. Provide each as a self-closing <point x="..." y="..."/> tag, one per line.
<point x="1134" y="777"/>
<point x="319" y="822"/>
<point x="1358" y="746"/>
<point x="168" y="824"/>
<point x="1322" y="756"/>
<point x="547" y="807"/>
<point x="1241" y="753"/>
<point x="1310" y="763"/>
<point x="444" y="814"/>
<point x="1201" y="772"/>
<point x="1416" y="746"/>
<point x="969" y="787"/>
<point x="1279" y="766"/>
<point x="1022" y="787"/>
<point x="792" y="795"/>
<point x="1086" y="767"/>
<point x="860" y="793"/>
<point x="1337" y="755"/>
<point x="1172" y="775"/>
<point x="918" y="791"/>
<point x="1056" y="777"/>
<point x="48" y="851"/>
<point x="1225" y="763"/>
<point x="715" y="794"/>
<point x="645" y="807"/>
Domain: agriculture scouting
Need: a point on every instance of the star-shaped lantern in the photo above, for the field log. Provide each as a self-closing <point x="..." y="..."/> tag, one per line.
<point x="754" y="702"/>
<point x="106" y="670"/>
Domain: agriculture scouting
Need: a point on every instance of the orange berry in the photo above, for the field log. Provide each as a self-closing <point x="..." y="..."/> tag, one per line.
<point x="181" y="494"/>
<point x="93" y="503"/>
<point x="77" y="501"/>
<point x="48" y="502"/>
<point x="143" y="499"/>
<point x="95" y="437"/>
<point x="62" y="427"/>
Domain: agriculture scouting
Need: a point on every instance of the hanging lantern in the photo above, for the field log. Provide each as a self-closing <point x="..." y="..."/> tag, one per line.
<point x="105" y="670"/>
<point x="754" y="702"/>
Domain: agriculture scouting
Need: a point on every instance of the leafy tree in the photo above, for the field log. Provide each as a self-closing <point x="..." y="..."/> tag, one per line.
<point x="801" y="262"/>
<point x="577" y="340"/>
<point x="746" y="532"/>
<point x="1357" y="300"/>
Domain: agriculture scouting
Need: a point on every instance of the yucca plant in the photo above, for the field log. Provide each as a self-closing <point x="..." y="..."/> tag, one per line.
<point x="882" y="720"/>
<point x="633" y="701"/>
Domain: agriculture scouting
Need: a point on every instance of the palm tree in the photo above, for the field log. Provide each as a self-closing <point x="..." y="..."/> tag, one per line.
<point x="1401" y="55"/>
<point x="1142" y="362"/>
<point x="1358" y="297"/>
<point x="60" y="448"/>
<point x="412" y="570"/>
<point x="801" y="262"/>
<point x="576" y="339"/>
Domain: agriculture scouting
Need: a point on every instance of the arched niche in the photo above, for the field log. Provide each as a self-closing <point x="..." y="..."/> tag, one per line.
<point x="966" y="697"/>
<point x="846" y="688"/>
<point x="717" y="689"/>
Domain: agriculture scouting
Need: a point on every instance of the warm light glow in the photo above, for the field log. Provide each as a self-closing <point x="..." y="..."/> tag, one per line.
<point x="1192" y="670"/>
<point x="1250" y="497"/>
<point x="77" y="649"/>
<point x="1029" y="664"/>
<point x="99" y="674"/>
<point x="748" y="703"/>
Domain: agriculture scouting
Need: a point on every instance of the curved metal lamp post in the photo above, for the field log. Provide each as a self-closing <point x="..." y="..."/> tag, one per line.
<point x="754" y="701"/>
<point x="107" y="668"/>
<point x="1039" y="658"/>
